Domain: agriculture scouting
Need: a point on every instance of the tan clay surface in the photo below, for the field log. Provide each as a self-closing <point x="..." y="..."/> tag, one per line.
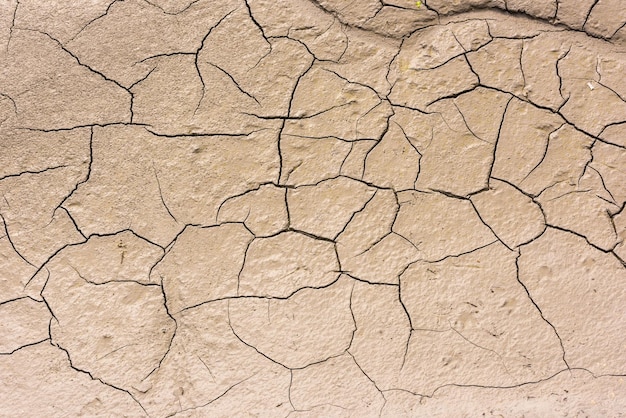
<point x="313" y="208"/>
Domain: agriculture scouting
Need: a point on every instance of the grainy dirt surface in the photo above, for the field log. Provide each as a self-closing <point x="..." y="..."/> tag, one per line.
<point x="313" y="208"/>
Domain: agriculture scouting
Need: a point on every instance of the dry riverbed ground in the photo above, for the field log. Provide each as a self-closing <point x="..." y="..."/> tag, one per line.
<point x="312" y="208"/>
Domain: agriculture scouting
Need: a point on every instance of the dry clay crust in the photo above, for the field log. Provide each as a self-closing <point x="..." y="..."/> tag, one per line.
<point x="312" y="208"/>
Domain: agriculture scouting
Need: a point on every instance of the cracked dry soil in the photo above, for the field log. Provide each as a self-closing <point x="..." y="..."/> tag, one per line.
<point x="312" y="208"/>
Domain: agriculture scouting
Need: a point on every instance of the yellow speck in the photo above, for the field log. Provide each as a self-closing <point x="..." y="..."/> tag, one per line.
<point x="404" y="64"/>
<point x="418" y="4"/>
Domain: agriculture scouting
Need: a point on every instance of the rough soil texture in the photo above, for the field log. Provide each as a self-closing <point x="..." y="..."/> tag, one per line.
<point x="313" y="208"/>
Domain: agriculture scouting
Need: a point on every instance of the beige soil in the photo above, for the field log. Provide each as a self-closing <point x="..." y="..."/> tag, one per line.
<point x="313" y="208"/>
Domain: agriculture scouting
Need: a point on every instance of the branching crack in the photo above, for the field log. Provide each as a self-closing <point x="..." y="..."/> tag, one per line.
<point x="197" y="54"/>
<point x="91" y="376"/>
<point x="556" y="333"/>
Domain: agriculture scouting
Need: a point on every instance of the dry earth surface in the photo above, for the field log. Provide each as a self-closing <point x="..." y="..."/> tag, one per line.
<point x="312" y="208"/>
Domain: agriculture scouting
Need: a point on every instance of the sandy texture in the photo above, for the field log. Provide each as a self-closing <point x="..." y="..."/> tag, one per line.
<point x="313" y="208"/>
